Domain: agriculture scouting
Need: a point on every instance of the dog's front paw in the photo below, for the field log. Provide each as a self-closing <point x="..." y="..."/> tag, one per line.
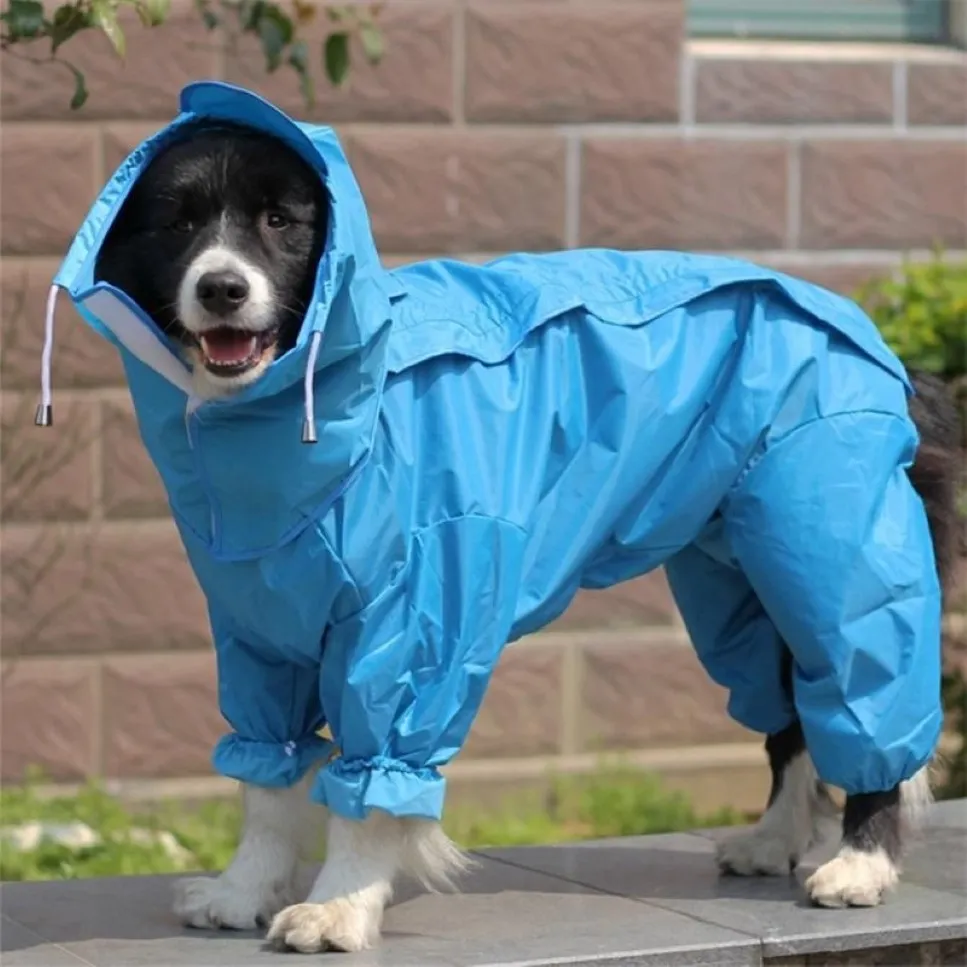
<point x="853" y="878"/>
<point x="756" y="852"/>
<point x="229" y="902"/>
<point x="338" y="924"/>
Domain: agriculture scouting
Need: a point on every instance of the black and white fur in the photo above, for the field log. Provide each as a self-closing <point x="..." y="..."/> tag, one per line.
<point x="241" y="206"/>
<point x="221" y="236"/>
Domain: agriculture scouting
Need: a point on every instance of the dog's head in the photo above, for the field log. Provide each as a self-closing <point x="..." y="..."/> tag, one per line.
<point x="219" y="242"/>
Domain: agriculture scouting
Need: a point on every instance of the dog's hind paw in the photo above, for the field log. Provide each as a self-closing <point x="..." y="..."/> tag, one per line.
<point x="339" y="925"/>
<point x="853" y="878"/>
<point x="223" y="902"/>
<point x="756" y="852"/>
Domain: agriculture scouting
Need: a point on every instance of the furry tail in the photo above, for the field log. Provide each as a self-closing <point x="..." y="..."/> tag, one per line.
<point x="432" y="857"/>
<point x="916" y="797"/>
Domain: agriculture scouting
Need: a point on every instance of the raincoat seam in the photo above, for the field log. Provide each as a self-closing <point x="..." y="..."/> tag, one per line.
<point x="757" y="458"/>
<point x="416" y="534"/>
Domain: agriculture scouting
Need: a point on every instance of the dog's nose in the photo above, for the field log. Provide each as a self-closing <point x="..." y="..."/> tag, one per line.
<point x="221" y="293"/>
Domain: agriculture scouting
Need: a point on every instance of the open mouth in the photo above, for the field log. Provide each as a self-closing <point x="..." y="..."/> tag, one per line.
<point x="230" y="352"/>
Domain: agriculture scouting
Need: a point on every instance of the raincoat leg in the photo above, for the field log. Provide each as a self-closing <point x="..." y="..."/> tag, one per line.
<point x="833" y="539"/>
<point x="274" y="710"/>
<point x="735" y="639"/>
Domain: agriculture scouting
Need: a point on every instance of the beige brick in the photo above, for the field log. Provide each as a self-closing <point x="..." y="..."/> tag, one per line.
<point x="49" y="717"/>
<point x="99" y="589"/>
<point x="639" y="694"/>
<point x="131" y="485"/>
<point x="413" y="81"/>
<point x="81" y="357"/>
<point x="453" y="191"/>
<point x="47" y="470"/>
<point x="644" y="601"/>
<point x="601" y="61"/>
<point x="731" y="91"/>
<point x="653" y="193"/>
<point x="521" y="713"/>
<point x="120" y="139"/>
<point x="159" y="62"/>
<point x="884" y="194"/>
<point x="937" y="93"/>
<point x="47" y="183"/>
<point x="161" y="715"/>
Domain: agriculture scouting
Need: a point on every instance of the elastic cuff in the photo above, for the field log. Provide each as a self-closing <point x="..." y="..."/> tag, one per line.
<point x="860" y="763"/>
<point x="272" y="764"/>
<point x="353" y="788"/>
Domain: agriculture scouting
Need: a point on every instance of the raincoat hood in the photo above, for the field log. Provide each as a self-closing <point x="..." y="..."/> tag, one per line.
<point x="341" y="345"/>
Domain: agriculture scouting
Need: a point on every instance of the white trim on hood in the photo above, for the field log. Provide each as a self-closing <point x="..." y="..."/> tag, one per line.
<point x="140" y="340"/>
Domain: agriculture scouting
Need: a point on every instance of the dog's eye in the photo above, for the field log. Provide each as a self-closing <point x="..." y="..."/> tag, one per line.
<point x="276" y="220"/>
<point x="181" y="225"/>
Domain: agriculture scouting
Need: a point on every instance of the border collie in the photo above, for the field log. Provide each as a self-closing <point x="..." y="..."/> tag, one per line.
<point x="219" y="242"/>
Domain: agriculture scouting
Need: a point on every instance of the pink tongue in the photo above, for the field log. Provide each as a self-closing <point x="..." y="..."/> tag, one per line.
<point x="228" y="345"/>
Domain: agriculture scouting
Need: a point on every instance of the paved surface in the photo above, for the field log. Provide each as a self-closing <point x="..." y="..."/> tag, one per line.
<point x="654" y="901"/>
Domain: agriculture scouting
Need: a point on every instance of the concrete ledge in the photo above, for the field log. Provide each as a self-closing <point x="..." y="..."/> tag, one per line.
<point x="654" y="901"/>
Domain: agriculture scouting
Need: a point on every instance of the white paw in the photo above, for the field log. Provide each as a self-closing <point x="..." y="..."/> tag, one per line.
<point x="315" y="927"/>
<point x="756" y="852"/>
<point x="852" y="879"/>
<point x="213" y="902"/>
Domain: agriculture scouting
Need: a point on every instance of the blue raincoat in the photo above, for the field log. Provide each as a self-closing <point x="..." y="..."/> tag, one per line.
<point x="493" y="438"/>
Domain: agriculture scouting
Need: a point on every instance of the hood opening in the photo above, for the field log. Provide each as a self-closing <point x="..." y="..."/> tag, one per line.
<point x="129" y="324"/>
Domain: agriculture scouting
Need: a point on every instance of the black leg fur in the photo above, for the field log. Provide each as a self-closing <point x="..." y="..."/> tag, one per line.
<point x="872" y="821"/>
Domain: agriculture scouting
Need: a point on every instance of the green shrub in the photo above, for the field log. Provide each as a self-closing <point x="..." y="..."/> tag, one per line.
<point x="922" y="314"/>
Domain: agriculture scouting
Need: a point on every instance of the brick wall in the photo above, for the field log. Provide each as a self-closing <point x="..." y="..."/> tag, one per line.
<point x="490" y="126"/>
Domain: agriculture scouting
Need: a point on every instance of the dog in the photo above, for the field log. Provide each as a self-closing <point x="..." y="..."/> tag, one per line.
<point x="219" y="242"/>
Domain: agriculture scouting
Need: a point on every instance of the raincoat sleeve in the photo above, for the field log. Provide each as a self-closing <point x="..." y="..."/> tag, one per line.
<point x="834" y="541"/>
<point x="274" y="711"/>
<point x="403" y="679"/>
<point x="733" y="636"/>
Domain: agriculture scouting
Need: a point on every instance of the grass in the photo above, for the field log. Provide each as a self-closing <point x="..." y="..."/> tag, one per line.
<point x="612" y="803"/>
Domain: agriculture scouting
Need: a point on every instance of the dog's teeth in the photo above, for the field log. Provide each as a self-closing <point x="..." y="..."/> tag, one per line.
<point x="227" y="349"/>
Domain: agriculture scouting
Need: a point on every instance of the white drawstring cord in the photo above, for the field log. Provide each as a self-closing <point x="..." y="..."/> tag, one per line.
<point x="45" y="409"/>
<point x="309" y="424"/>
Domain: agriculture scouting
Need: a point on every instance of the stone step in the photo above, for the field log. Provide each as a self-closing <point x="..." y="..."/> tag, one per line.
<point x="653" y="901"/>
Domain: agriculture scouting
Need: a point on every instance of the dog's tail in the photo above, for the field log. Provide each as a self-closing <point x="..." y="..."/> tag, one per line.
<point x="936" y="471"/>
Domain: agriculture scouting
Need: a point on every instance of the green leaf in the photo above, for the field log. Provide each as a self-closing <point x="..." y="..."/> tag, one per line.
<point x="24" y="19"/>
<point x="275" y="31"/>
<point x="336" y="57"/>
<point x="80" y="87"/>
<point x="105" y="15"/>
<point x="68" y="20"/>
<point x="337" y="14"/>
<point x="299" y="62"/>
<point x="153" y="12"/>
<point x="371" y="38"/>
